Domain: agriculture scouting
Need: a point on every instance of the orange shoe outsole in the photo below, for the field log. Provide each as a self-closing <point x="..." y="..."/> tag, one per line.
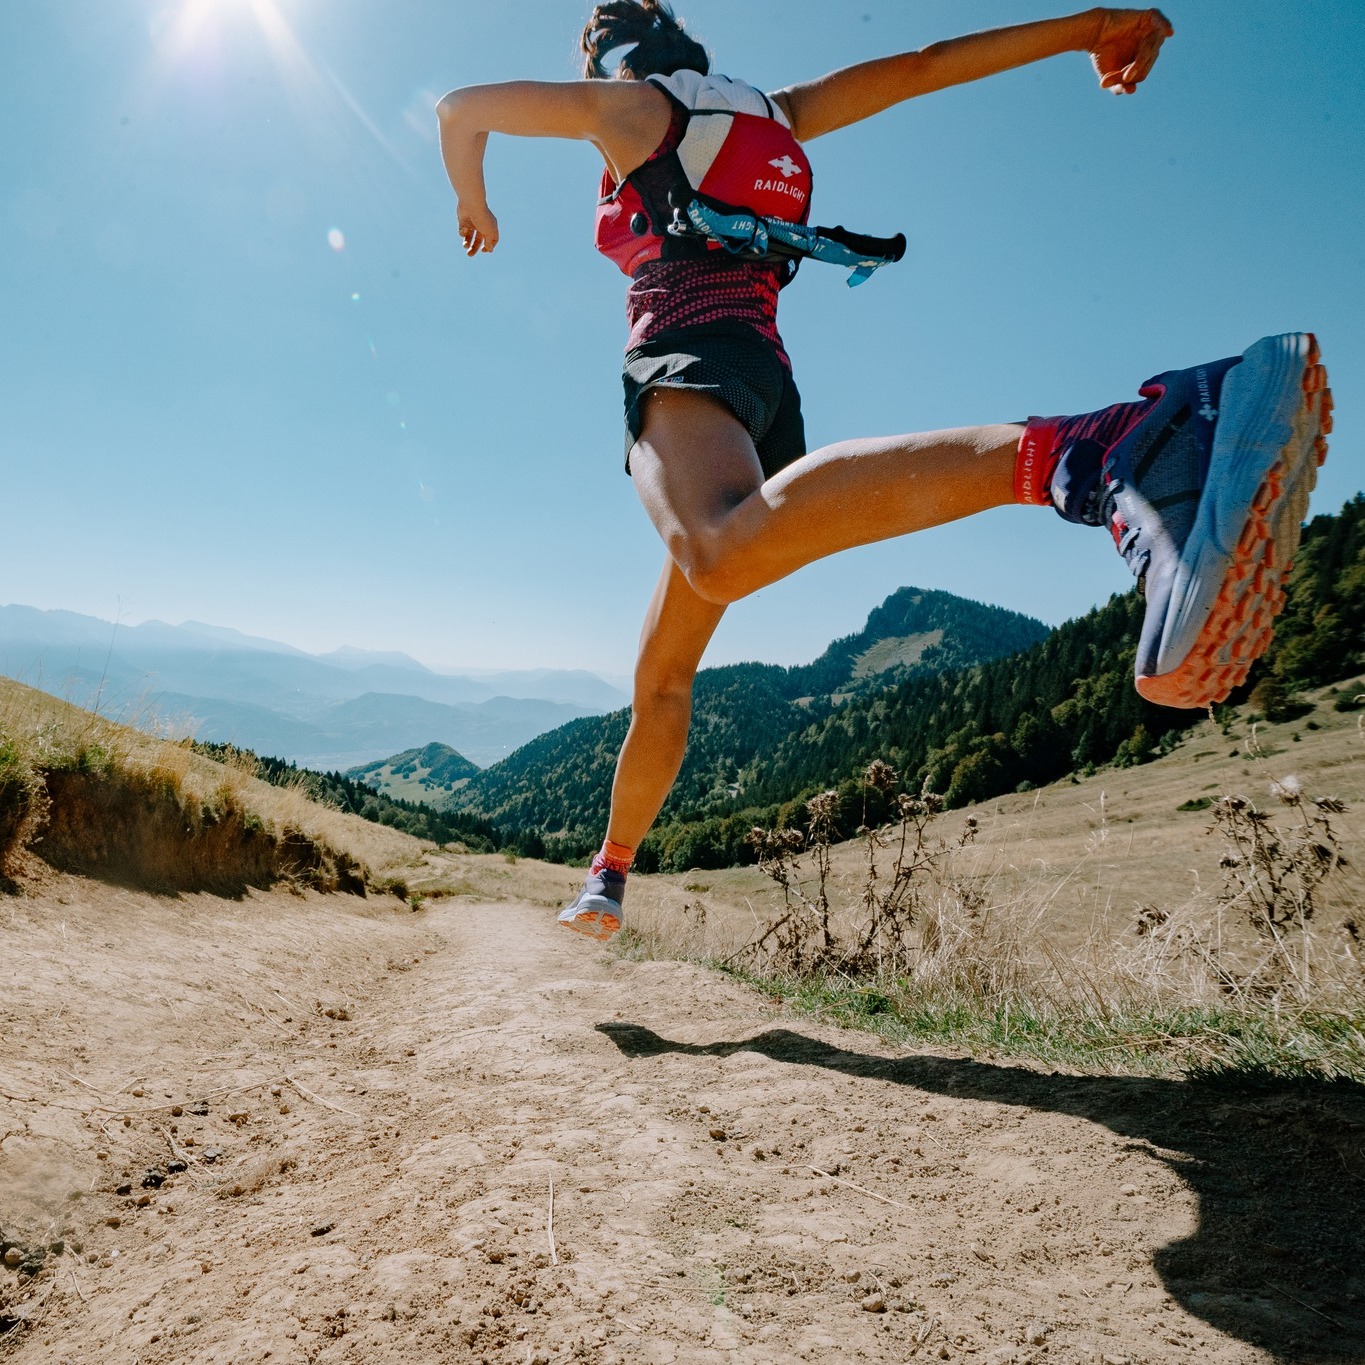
<point x="1239" y="627"/>
<point x="593" y="925"/>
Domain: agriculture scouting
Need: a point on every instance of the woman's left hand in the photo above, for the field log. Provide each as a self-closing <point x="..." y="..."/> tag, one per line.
<point x="1126" y="45"/>
<point x="478" y="227"/>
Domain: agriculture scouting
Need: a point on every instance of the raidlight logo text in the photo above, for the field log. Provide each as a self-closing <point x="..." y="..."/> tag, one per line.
<point x="1208" y="412"/>
<point x="780" y="187"/>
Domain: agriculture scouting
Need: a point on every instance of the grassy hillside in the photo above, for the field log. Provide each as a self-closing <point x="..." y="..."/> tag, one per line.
<point x="426" y="774"/>
<point x="88" y="796"/>
<point x="341" y="793"/>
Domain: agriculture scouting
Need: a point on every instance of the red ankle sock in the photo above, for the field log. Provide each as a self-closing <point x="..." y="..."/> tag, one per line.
<point x="616" y="857"/>
<point x="1046" y="439"/>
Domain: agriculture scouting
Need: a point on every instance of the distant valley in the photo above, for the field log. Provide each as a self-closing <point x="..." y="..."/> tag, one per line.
<point x="323" y="711"/>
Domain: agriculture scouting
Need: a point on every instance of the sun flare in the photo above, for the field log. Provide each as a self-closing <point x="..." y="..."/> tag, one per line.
<point x="196" y="23"/>
<point x="216" y="36"/>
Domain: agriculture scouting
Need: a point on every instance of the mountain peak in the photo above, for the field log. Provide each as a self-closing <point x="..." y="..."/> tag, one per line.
<point x="916" y="630"/>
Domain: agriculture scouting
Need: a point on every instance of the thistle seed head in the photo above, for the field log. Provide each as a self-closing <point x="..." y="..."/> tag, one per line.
<point x="881" y="775"/>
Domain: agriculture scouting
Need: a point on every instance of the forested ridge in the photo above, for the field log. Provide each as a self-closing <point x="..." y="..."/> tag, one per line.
<point x="558" y="785"/>
<point x="944" y="631"/>
<point x="1065" y="704"/>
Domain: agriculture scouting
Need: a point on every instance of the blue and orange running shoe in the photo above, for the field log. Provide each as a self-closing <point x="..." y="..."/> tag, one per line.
<point x="596" y="911"/>
<point x="1204" y="488"/>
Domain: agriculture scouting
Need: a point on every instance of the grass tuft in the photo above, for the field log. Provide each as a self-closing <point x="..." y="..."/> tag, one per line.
<point x="22" y="802"/>
<point x="1200" y="1041"/>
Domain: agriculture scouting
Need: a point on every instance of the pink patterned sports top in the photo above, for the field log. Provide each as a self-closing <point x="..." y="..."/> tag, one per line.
<point x="667" y="295"/>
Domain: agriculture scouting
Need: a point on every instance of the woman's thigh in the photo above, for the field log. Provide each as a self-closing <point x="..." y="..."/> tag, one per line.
<point x="693" y="463"/>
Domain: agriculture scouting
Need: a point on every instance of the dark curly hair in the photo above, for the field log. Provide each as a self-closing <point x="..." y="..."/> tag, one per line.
<point x="660" y="45"/>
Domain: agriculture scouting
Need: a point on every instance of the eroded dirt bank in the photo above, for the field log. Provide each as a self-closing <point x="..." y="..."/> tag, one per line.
<point x="437" y="1071"/>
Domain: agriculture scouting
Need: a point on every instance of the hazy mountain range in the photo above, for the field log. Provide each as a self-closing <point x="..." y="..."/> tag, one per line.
<point x="323" y="711"/>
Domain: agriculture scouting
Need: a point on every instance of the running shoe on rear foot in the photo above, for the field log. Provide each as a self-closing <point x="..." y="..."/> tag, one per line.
<point x="596" y="911"/>
<point x="1205" y="497"/>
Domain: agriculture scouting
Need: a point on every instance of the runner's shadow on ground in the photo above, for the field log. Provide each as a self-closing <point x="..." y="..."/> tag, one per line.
<point x="1278" y="1258"/>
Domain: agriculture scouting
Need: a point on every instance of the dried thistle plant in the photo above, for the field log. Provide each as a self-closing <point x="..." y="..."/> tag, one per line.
<point x="802" y="938"/>
<point x="799" y="940"/>
<point x="1273" y="875"/>
<point x="893" y="905"/>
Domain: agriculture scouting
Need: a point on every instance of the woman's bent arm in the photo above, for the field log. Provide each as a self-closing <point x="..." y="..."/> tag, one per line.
<point x="1123" y="45"/>
<point x="625" y="119"/>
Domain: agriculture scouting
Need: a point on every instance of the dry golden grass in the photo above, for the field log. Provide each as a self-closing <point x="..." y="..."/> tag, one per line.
<point x="1088" y="921"/>
<point x="1088" y="857"/>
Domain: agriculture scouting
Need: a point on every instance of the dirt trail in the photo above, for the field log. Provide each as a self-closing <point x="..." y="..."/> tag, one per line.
<point x="391" y="1203"/>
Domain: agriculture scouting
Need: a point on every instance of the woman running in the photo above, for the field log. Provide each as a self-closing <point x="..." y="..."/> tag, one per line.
<point x="704" y="204"/>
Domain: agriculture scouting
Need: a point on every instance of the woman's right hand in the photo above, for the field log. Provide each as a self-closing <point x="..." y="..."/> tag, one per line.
<point x="1125" y="46"/>
<point x="478" y="228"/>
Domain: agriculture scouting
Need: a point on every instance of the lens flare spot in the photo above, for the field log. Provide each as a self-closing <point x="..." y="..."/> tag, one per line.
<point x="355" y="298"/>
<point x="336" y="239"/>
<point x="392" y="398"/>
<point x="425" y="493"/>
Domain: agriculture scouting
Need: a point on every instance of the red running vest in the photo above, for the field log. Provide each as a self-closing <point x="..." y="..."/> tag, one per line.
<point x="729" y="145"/>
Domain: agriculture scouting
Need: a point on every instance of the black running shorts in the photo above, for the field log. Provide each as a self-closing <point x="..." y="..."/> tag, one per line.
<point x="735" y="365"/>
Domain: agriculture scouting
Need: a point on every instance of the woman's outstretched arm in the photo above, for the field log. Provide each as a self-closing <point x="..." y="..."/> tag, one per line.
<point x="1122" y="43"/>
<point x="625" y="119"/>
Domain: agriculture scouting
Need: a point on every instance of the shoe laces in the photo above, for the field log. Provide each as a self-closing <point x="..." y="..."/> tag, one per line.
<point x="1126" y="537"/>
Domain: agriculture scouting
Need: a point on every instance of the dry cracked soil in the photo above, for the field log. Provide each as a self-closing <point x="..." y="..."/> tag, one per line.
<point x="321" y="1129"/>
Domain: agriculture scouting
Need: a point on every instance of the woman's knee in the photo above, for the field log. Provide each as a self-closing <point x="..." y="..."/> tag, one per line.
<point x="713" y="564"/>
<point x="663" y="677"/>
<point x="661" y="685"/>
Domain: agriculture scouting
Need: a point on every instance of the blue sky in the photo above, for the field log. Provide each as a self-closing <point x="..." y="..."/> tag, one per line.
<point x="209" y="411"/>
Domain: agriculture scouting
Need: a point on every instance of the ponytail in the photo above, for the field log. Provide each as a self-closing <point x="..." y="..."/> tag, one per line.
<point x="660" y="47"/>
